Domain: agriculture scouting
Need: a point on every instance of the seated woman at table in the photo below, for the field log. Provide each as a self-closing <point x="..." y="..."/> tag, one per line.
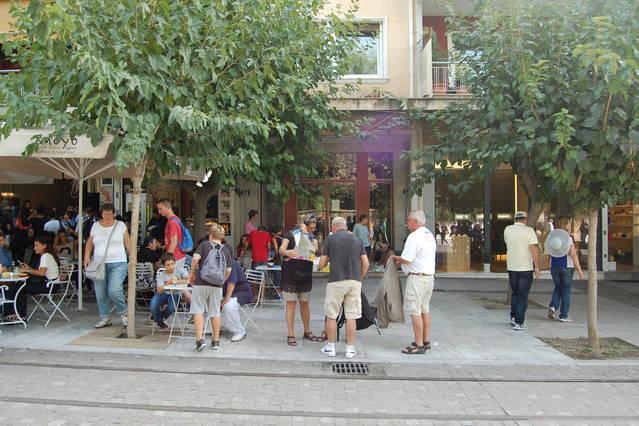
<point x="46" y="271"/>
<point x="63" y="246"/>
<point x="170" y="275"/>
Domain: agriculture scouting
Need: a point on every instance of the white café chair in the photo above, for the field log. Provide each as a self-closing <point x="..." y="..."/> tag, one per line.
<point x="257" y="279"/>
<point x="51" y="297"/>
<point x="144" y="283"/>
<point x="4" y="301"/>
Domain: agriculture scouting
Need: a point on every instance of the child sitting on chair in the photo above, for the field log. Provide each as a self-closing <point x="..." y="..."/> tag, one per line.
<point x="170" y="275"/>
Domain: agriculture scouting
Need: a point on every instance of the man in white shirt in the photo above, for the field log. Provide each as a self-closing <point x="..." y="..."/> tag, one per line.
<point x="522" y="257"/>
<point x="418" y="262"/>
<point x="52" y="225"/>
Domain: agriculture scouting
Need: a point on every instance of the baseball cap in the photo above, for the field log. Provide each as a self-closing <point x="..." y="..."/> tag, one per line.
<point x="521" y="215"/>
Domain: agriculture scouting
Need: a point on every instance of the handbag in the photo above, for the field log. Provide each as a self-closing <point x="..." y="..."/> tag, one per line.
<point x="95" y="270"/>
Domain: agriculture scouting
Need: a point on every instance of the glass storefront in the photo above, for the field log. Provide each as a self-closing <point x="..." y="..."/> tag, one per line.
<point x="340" y="192"/>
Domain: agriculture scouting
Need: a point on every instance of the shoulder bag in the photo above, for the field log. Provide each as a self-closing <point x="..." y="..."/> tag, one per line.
<point x="95" y="270"/>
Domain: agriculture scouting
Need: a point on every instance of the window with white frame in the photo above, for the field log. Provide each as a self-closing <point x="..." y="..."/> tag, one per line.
<point x="368" y="58"/>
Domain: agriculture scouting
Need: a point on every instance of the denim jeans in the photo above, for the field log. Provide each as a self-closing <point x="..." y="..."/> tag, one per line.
<point x="111" y="288"/>
<point x="520" y="283"/>
<point x="160" y="299"/>
<point x="561" y="295"/>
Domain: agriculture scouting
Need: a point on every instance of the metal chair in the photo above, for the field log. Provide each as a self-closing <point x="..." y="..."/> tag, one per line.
<point x="5" y="301"/>
<point x="254" y="278"/>
<point x="144" y="283"/>
<point x="52" y="297"/>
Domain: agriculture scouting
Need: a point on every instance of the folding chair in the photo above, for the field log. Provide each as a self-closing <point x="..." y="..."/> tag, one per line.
<point x="144" y="284"/>
<point x="66" y="265"/>
<point x="53" y="298"/>
<point x="5" y="301"/>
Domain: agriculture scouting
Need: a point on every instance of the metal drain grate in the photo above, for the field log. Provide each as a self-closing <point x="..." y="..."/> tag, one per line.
<point x="355" y="368"/>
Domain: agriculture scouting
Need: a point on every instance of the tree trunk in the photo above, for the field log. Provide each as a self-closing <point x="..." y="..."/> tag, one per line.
<point x="201" y="198"/>
<point x="535" y="210"/>
<point x="593" y="332"/>
<point x="133" y="252"/>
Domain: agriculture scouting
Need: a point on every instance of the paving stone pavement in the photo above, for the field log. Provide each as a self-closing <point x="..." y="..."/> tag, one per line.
<point x="479" y="372"/>
<point x="463" y="332"/>
<point x="147" y="396"/>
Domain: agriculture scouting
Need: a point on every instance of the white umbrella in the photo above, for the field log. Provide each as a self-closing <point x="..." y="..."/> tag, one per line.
<point x="76" y="158"/>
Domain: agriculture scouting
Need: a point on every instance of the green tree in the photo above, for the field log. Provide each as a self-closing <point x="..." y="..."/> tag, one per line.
<point x="241" y="88"/>
<point x="555" y="95"/>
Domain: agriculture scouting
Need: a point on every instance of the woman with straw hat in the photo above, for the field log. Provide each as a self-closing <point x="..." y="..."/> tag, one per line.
<point x="564" y="260"/>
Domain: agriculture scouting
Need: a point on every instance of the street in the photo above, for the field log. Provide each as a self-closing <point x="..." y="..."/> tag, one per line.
<point x="89" y="388"/>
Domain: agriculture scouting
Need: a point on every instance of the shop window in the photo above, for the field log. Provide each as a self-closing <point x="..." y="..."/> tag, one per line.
<point x="380" y="165"/>
<point x="340" y="166"/>
<point x="380" y="212"/>
<point x="342" y="202"/>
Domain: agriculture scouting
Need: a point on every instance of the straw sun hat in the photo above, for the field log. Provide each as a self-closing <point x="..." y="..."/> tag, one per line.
<point x="558" y="243"/>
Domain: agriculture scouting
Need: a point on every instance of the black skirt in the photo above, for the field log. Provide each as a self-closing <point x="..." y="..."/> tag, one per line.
<point x="297" y="276"/>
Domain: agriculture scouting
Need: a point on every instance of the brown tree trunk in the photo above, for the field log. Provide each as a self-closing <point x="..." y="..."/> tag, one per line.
<point x="593" y="332"/>
<point x="201" y="198"/>
<point x="133" y="252"/>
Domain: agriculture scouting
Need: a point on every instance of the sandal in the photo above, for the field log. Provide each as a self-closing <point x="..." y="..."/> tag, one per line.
<point x="322" y="337"/>
<point x="427" y="345"/>
<point x="292" y="341"/>
<point x="308" y="335"/>
<point x="414" y="350"/>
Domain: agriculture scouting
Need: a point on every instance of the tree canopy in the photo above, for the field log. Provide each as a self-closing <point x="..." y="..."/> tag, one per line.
<point x="238" y="87"/>
<point x="554" y="93"/>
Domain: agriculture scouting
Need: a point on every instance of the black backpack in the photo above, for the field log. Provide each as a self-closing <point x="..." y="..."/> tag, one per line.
<point x="367" y="319"/>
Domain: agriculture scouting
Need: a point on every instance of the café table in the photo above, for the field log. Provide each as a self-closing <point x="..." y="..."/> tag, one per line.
<point x="177" y="288"/>
<point x="268" y="282"/>
<point x="4" y="283"/>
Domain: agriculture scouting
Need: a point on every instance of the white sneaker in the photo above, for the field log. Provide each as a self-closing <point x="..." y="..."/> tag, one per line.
<point x="350" y="352"/>
<point x="104" y="322"/>
<point x="519" y="327"/>
<point x="125" y="320"/>
<point x="238" y="336"/>
<point x="328" y="350"/>
<point x="551" y="313"/>
<point x="565" y="320"/>
<point x="512" y="321"/>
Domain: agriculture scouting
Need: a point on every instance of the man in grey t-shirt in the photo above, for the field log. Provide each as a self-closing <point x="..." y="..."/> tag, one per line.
<point x="349" y="264"/>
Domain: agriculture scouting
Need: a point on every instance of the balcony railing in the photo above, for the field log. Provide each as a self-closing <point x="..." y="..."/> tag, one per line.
<point x="450" y="79"/>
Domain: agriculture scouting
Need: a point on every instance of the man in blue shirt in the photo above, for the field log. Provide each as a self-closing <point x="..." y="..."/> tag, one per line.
<point x="236" y="292"/>
<point x="6" y="258"/>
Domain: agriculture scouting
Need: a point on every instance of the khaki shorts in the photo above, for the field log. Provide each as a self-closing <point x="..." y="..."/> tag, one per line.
<point x="419" y="289"/>
<point x="304" y="296"/>
<point x="206" y="299"/>
<point x="347" y="292"/>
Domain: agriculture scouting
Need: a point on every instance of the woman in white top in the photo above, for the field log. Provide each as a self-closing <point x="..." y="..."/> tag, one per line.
<point x="46" y="271"/>
<point x="115" y="263"/>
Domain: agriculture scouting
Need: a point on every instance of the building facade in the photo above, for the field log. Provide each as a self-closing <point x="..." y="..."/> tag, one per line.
<point x="404" y="55"/>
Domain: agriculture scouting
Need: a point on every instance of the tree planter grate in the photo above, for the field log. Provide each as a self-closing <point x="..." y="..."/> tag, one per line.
<point x="351" y="368"/>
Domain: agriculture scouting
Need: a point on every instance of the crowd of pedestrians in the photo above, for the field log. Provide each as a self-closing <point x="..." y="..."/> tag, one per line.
<point x="38" y="238"/>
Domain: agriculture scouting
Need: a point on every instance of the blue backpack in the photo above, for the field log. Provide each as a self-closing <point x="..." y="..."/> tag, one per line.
<point x="186" y="245"/>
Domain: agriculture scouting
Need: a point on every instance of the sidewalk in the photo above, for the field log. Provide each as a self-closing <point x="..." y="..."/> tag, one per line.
<point x="464" y="332"/>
